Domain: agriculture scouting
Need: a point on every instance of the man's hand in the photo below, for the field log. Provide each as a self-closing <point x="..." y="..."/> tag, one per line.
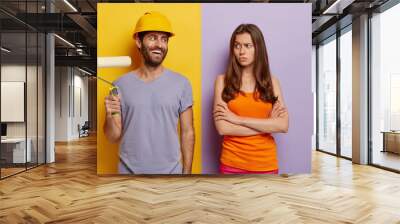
<point x="112" y="125"/>
<point x="112" y="104"/>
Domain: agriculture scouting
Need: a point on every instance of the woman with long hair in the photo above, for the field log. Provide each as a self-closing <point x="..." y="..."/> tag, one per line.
<point x="248" y="106"/>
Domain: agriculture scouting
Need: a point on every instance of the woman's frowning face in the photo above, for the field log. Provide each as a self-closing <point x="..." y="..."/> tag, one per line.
<point x="243" y="49"/>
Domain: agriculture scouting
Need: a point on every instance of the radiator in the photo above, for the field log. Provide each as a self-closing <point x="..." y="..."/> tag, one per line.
<point x="391" y="142"/>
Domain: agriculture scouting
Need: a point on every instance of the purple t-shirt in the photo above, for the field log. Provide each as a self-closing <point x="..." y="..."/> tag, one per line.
<point x="150" y="112"/>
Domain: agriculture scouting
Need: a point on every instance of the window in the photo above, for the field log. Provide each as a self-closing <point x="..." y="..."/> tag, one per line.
<point x="385" y="89"/>
<point x="346" y="75"/>
<point x="327" y="96"/>
<point x="22" y="65"/>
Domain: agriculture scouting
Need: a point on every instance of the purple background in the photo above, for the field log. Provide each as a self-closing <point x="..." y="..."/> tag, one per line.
<point x="287" y="33"/>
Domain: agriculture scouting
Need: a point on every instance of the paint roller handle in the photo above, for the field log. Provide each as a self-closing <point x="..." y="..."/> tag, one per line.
<point x="112" y="102"/>
<point x="114" y="92"/>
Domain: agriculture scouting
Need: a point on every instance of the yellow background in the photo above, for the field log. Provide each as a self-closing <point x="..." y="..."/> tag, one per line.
<point x="115" y="25"/>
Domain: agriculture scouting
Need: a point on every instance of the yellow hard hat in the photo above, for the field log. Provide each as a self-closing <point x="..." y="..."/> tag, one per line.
<point x="153" y="21"/>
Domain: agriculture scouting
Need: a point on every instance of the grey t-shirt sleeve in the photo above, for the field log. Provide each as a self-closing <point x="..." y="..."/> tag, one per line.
<point x="186" y="99"/>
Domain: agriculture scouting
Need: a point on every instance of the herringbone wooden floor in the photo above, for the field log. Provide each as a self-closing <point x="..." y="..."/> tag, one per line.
<point x="69" y="191"/>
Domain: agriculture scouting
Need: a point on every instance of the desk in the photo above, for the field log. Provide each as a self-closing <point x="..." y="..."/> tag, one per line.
<point x="13" y="150"/>
<point x="391" y="141"/>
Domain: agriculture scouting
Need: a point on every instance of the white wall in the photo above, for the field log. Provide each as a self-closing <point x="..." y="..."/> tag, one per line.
<point x="14" y="73"/>
<point x="17" y="73"/>
<point x="34" y="125"/>
<point x="80" y="110"/>
<point x="71" y="93"/>
<point x="62" y="80"/>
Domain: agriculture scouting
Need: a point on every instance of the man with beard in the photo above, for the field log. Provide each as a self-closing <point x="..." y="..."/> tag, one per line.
<point x="143" y="118"/>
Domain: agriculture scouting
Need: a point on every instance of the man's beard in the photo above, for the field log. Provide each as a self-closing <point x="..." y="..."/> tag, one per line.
<point x="148" y="60"/>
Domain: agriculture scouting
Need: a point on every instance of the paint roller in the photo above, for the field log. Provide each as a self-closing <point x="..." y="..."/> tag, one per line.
<point x="113" y="62"/>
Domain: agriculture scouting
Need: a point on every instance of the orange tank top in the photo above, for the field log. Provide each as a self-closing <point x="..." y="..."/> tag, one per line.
<point x="253" y="153"/>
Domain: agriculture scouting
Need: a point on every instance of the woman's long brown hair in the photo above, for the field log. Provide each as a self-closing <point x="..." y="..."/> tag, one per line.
<point x="261" y="71"/>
